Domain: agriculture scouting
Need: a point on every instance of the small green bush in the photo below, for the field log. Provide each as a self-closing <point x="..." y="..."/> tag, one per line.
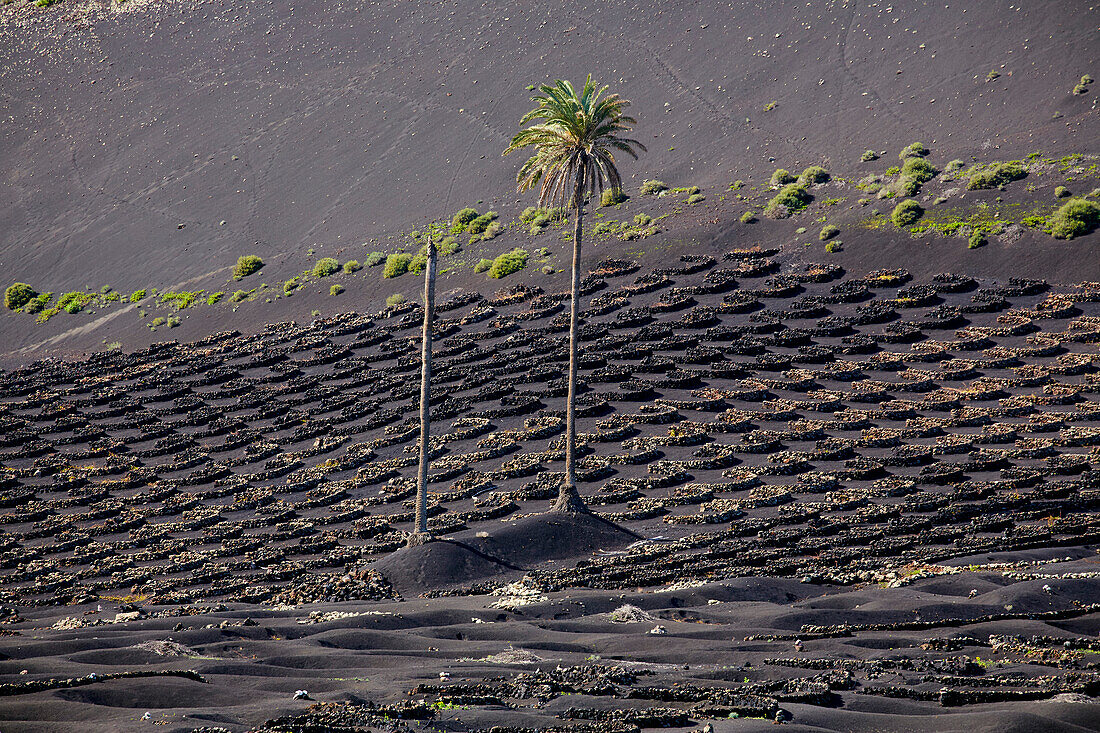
<point x="918" y="169"/>
<point x="790" y="198"/>
<point x="906" y="186"/>
<point x="172" y="321"/>
<point x="238" y="296"/>
<point x="397" y="264"/>
<point x="38" y="303"/>
<point x="913" y="150"/>
<point x="977" y="239"/>
<point x="18" y="295"/>
<point x="530" y="213"/>
<point x="352" y="266"/>
<point x="158" y="321"/>
<point x="246" y="265"/>
<point x="834" y="246"/>
<point x="336" y="289"/>
<point x="547" y="270"/>
<point x="696" y="198"/>
<point x="449" y="245"/>
<point x="215" y="297"/>
<point x="954" y="165"/>
<point x="1074" y="218"/>
<point x="612" y="196"/>
<point x="906" y="212"/>
<point x="653" y="186"/>
<point x="828" y="232"/>
<point x="508" y="262"/>
<point x="748" y="217"/>
<point x="137" y="296"/>
<point x="641" y="220"/>
<point x="418" y="263"/>
<point x="479" y="224"/>
<point x="893" y="170"/>
<point x="75" y="301"/>
<point x="813" y="174"/>
<point x="395" y="299"/>
<point x="868" y="156"/>
<point x="374" y="259"/>
<point x="999" y="174"/>
<point x="462" y="218"/>
<point x="491" y="231"/>
<point x="291" y="285"/>
<point x="781" y="176"/>
<point x="1061" y="192"/>
<point x="326" y="266"/>
<point x="1080" y="88"/>
<point x="483" y="265"/>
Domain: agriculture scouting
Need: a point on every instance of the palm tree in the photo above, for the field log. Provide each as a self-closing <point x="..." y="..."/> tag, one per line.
<point x="420" y="534"/>
<point x="573" y="137"/>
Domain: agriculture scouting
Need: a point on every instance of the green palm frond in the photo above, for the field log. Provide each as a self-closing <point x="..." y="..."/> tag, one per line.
<point x="574" y="137"/>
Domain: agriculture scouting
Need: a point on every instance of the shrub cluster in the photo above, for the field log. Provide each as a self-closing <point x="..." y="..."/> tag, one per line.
<point x="906" y="213"/>
<point x="781" y="177"/>
<point x="18" y="295"/>
<point x="479" y="224"/>
<point x="828" y="232"/>
<point x="374" y="259"/>
<point x="868" y="156"/>
<point x="612" y="196"/>
<point x="462" y="218"/>
<point x="913" y="150"/>
<point x="246" y="265"/>
<point x="326" y="266"/>
<point x="1074" y="218"/>
<point x="352" y="266"/>
<point x="813" y="174"/>
<point x="792" y="197"/>
<point x="653" y="186"/>
<point x="508" y="262"/>
<point x="483" y="265"/>
<point x="998" y="174"/>
<point x="397" y="264"/>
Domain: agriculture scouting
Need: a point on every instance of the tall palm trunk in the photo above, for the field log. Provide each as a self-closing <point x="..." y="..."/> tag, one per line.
<point x="569" y="500"/>
<point x="420" y="534"/>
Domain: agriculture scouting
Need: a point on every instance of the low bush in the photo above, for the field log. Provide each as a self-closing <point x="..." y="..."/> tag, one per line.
<point x="246" y="265"/>
<point x="612" y="196"/>
<point x="395" y="299"/>
<point x="483" y="265"/>
<point x="326" y="266"/>
<point x="641" y="220"/>
<point x="479" y="224"/>
<point x="215" y="297"/>
<point x="913" y="150"/>
<point x="998" y="174"/>
<point x="38" y="303"/>
<point x="906" y="212"/>
<point x="336" y="289"/>
<point x="172" y="321"/>
<point x="790" y="198"/>
<point x="374" y="259"/>
<point x="18" y="295"/>
<point x="653" y="186"/>
<point x="448" y="246"/>
<point x="75" y="301"/>
<point x="977" y="239"/>
<point x="828" y="232"/>
<point x="491" y="231"/>
<point x="834" y="246"/>
<point x="781" y="176"/>
<point x="508" y="262"/>
<point x="137" y="296"/>
<point x="748" y="217"/>
<point x="352" y="266"/>
<point x="291" y="285"/>
<point x="1061" y="192"/>
<point x="696" y="198"/>
<point x="1074" y="218"/>
<point x="954" y="165"/>
<point x="419" y="263"/>
<point x="918" y="169"/>
<point x="462" y="219"/>
<point x="868" y="156"/>
<point x="238" y="296"/>
<point x="813" y="174"/>
<point x="397" y="264"/>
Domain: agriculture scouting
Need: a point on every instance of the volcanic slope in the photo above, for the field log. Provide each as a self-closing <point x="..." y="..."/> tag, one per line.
<point x="843" y="491"/>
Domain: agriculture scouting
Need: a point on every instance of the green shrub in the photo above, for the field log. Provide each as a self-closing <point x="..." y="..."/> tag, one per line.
<point x="491" y="231"/>
<point x="977" y="239"/>
<point x="352" y="266"/>
<point x="893" y="170"/>
<point x="182" y="299"/>
<point x="418" y="263"/>
<point x="374" y="259"/>
<point x="395" y="299"/>
<point x="172" y="321"/>
<point x="641" y="220"/>
<point x="238" y="296"/>
<point x="547" y="270"/>
<point x="868" y="156"/>
<point x="737" y="185"/>
<point x="38" y="303"/>
<point x="18" y="295"/>
<point x="813" y="174"/>
<point x="336" y="289"/>
<point x="158" y="321"/>
<point x="781" y="177"/>
<point x="1061" y="192"/>
<point x="790" y="198"/>
<point x="653" y="186"/>
<point x="483" y="265"/>
<point x="913" y="150"/>
<point x="828" y="232"/>
<point x="530" y="213"/>
<point x="397" y="264"/>
<point x="246" y="265"/>
<point x="74" y="302"/>
<point x="462" y="218"/>
<point x="326" y="266"/>
<point x="906" y="186"/>
<point x="612" y="196"/>
<point x="954" y="165"/>
<point x="696" y="198"/>
<point x="481" y="223"/>
<point x="508" y="262"/>
<point x="291" y="285"/>
<point x="449" y="246"/>
<point x="918" y="169"/>
<point x="214" y="297"/>
<point x="137" y="296"/>
<point x="998" y="174"/>
<point x="834" y="246"/>
<point x="748" y="217"/>
<point x="1086" y="79"/>
<point x="906" y="212"/>
<point x="1080" y="88"/>
<point x="1074" y="218"/>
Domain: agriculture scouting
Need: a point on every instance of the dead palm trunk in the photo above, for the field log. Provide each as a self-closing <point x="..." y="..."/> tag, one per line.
<point x="420" y="534"/>
<point x="569" y="500"/>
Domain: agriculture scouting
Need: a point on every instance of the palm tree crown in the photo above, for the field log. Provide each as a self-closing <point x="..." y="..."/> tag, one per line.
<point x="574" y="140"/>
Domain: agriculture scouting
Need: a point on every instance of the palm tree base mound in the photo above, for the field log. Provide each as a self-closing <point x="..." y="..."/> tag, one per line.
<point x="417" y="539"/>
<point x="570" y="501"/>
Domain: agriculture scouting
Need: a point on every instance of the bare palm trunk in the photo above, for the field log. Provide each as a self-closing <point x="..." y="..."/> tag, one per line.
<point x="569" y="500"/>
<point x="420" y="534"/>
